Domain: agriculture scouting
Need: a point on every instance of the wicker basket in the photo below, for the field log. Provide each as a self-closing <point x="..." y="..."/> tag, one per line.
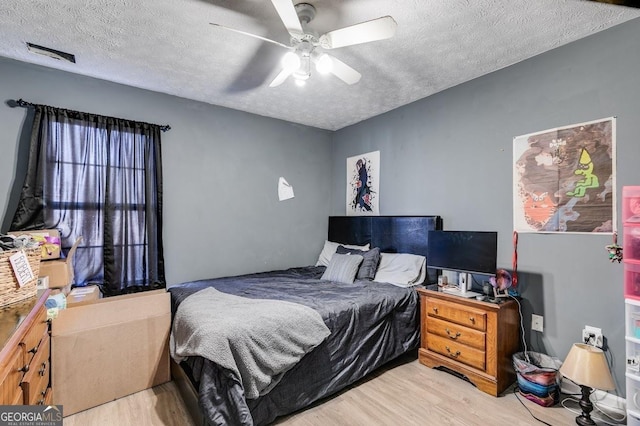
<point x="10" y="291"/>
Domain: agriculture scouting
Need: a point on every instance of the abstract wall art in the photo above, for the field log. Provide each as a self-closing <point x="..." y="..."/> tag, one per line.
<point x="564" y="179"/>
<point x="363" y="184"/>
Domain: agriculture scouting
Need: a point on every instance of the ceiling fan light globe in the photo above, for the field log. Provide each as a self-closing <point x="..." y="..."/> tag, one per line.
<point x="301" y="75"/>
<point x="300" y="83"/>
<point x="324" y="65"/>
<point x="290" y="61"/>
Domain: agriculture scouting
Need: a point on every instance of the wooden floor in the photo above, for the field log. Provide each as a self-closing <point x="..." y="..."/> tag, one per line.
<point x="406" y="393"/>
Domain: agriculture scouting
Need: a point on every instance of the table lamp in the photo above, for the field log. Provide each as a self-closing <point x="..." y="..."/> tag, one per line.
<point x="587" y="367"/>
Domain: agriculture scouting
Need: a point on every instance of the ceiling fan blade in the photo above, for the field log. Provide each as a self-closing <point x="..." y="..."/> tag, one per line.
<point x="251" y="35"/>
<point x="376" y="29"/>
<point x="628" y="3"/>
<point x="257" y="71"/>
<point x="280" y="78"/>
<point x="289" y="17"/>
<point x="344" y="72"/>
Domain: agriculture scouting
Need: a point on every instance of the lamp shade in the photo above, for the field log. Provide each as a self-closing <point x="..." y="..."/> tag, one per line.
<point x="587" y="365"/>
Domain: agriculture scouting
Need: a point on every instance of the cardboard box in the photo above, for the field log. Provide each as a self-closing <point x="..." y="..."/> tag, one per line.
<point x="49" y="240"/>
<point x="83" y="295"/>
<point x="64" y="290"/>
<point x="60" y="271"/>
<point x="110" y="348"/>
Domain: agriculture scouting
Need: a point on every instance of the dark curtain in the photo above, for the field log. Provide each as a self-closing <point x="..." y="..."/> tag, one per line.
<point x="99" y="178"/>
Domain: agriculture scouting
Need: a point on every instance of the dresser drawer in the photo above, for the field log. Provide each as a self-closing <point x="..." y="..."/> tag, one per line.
<point x="36" y="380"/>
<point x="461" y="353"/>
<point x="455" y="332"/>
<point x="13" y="376"/>
<point x="24" y="357"/>
<point x="48" y="397"/>
<point x="18" y="398"/>
<point x="459" y="314"/>
<point x="33" y="337"/>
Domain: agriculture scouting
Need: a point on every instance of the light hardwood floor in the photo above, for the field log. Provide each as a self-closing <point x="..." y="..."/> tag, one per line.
<point x="405" y="393"/>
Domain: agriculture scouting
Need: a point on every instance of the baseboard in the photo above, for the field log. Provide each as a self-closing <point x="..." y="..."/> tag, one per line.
<point x="605" y="400"/>
<point x="609" y="401"/>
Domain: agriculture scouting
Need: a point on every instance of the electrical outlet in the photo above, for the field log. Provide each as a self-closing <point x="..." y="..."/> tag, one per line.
<point x="537" y="322"/>
<point x="593" y="336"/>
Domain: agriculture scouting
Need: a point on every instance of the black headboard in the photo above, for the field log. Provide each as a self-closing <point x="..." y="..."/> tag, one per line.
<point x="392" y="234"/>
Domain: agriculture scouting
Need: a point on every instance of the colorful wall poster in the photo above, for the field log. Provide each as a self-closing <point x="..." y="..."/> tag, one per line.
<point x="564" y="179"/>
<point x="363" y="183"/>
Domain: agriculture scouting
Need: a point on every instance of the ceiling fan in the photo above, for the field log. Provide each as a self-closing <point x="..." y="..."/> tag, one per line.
<point x="628" y="3"/>
<point x="307" y="47"/>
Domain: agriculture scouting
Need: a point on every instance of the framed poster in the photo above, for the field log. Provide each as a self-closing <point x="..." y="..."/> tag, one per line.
<point x="363" y="182"/>
<point x="564" y="179"/>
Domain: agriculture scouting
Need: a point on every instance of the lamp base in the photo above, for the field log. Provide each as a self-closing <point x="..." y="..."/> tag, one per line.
<point x="585" y="419"/>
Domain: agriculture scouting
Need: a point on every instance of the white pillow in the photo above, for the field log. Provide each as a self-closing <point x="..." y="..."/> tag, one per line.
<point x="401" y="269"/>
<point x="330" y="248"/>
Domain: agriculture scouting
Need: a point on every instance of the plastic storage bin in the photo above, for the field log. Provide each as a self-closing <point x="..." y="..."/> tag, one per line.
<point x="631" y="205"/>
<point x="633" y="393"/>
<point x="631" y="243"/>
<point x="631" y="262"/>
<point x="632" y="315"/>
<point x="631" y="281"/>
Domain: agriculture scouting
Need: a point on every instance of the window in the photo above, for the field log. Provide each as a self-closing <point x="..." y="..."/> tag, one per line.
<point x="98" y="178"/>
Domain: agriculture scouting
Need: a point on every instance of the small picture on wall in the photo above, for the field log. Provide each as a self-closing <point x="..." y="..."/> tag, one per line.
<point x="564" y="179"/>
<point x="363" y="179"/>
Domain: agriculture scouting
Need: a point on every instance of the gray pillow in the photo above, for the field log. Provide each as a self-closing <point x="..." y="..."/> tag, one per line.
<point x="342" y="268"/>
<point x="370" y="261"/>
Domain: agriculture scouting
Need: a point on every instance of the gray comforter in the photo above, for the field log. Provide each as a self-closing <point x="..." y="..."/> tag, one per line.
<point x="371" y="324"/>
<point x="258" y="340"/>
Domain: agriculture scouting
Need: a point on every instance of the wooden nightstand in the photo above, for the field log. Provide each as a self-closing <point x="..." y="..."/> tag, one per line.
<point x="472" y="338"/>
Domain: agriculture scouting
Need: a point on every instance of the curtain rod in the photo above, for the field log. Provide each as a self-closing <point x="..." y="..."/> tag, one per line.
<point x="26" y="104"/>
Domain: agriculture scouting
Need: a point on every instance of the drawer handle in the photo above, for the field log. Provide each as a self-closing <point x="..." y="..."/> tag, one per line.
<point x="41" y="402"/>
<point x="33" y="350"/>
<point x="472" y="319"/>
<point x="43" y="393"/>
<point x="24" y="369"/>
<point x="435" y="309"/>
<point x="455" y="354"/>
<point x="43" y="368"/>
<point x="452" y="336"/>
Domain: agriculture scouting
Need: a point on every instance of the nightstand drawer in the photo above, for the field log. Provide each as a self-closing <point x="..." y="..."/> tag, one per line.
<point x="459" y="314"/>
<point x="461" y="353"/>
<point x="457" y="333"/>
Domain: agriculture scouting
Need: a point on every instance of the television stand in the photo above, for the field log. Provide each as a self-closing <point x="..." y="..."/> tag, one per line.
<point x="473" y="338"/>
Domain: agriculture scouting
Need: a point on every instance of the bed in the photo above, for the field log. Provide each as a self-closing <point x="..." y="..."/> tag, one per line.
<point x="369" y="323"/>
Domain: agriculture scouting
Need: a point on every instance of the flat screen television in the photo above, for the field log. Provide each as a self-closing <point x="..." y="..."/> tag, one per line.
<point x="473" y="252"/>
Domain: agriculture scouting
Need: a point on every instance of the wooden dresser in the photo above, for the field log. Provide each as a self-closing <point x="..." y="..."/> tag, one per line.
<point x="472" y="338"/>
<point x="25" y="376"/>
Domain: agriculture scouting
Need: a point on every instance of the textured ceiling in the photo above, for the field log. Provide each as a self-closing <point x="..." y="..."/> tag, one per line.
<point x="168" y="46"/>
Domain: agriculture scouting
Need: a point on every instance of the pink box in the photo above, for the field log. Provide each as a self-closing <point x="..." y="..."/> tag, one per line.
<point x="631" y="279"/>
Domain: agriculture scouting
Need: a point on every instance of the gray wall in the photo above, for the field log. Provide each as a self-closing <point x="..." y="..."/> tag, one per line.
<point x="221" y="168"/>
<point x="451" y="154"/>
